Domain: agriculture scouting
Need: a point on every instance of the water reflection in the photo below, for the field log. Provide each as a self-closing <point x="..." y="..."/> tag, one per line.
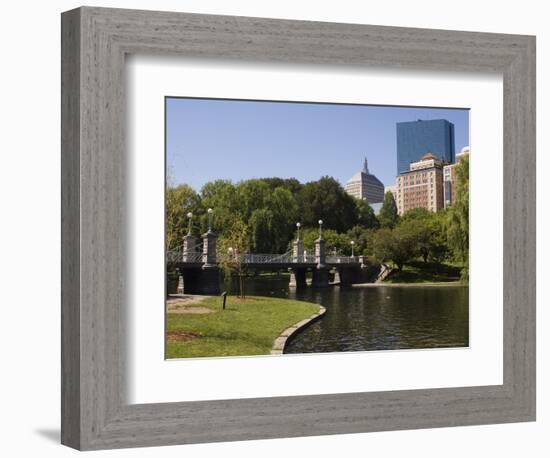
<point x="381" y="318"/>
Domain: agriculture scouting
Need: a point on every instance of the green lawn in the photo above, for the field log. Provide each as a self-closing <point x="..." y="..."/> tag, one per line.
<point x="245" y="327"/>
<point x="421" y="272"/>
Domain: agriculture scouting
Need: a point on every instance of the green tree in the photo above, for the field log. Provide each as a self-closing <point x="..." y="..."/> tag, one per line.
<point x="417" y="222"/>
<point x="363" y="240"/>
<point x="251" y="195"/>
<point x="284" y="208"/>
<point x="221" y="196"/>
<point x="365" y="214"/>
<point x="333" y="241"/>
<point x="234" y="243"/>
<point x="458" y="217"/>
<point x="397" y="245"/>
<point x="290" y="184"/>
<point x="388" y="216"/>
<point x="383" y="244"/>
<point x="430" y="232"/>
<point x="417" y="214"/>
<point x="180" y="200"/>
<point x="422" y="235"/>
<point x="326" y="199"/>
<point x="439" y="247"/>
<point x="260" y="225"/>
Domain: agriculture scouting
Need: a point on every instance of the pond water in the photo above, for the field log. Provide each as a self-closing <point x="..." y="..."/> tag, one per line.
<point x="376" y="318"/>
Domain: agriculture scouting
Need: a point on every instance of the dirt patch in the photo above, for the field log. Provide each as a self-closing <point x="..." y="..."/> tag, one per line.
<point x="187" y="303"/>
<point x="182" y="336"/>
<point x="185" y="299"/>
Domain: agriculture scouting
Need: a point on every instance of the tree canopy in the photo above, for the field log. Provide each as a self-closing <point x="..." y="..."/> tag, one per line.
<point x="326" y="199"/>
<point x="179" y="202"/>
<point x="365" y="214"/>
<point x="260" y="215"/>
<point x="388" y="213"/>
<point x="270" y="209"/>
<point x="458" y="217"/>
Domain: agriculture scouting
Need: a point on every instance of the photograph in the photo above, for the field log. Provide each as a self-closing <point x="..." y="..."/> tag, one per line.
<point x="298" y="227"/>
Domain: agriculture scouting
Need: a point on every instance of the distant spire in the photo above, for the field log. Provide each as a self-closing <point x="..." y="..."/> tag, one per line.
<point x="366" y="166"/>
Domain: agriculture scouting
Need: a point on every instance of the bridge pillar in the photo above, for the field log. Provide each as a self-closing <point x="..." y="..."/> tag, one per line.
<point x="205" y="279"/>
<point x="190" y="280"/>
<point x="209" y="281"/>
<point x="209" y="249"/>
<point x="320" y="254"/>
<point x="337" y="277"/>
<point x="321" y="273"/>
<point x="297" y="278"/>
<point x="201" y="281"/>
<point x="320" y="277"/>
<point x="189" y="248"/>
<point x="297" y="251"/>
<point x="346" y="277"/>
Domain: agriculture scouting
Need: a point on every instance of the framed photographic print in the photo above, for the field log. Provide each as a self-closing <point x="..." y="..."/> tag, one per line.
<point x="287" y="228"/>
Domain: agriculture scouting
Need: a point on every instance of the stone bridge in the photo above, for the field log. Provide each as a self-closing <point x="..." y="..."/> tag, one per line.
<point x="198" y="261"/>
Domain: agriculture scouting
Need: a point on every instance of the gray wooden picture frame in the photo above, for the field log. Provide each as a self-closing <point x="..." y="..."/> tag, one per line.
<point x="95" y="413"/>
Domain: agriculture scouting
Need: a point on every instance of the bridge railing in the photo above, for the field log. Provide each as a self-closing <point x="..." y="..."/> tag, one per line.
<point x="286" y="258"/>
<point x="305" y="258"/>
<point x="177" y="256"/>
<point x="342" y="259"/>
<point x="266" y="258"/>
<point x="263" y="258"/>
<point x="193" y="255"/>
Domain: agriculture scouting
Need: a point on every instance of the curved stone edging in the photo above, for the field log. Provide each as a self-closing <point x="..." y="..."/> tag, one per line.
<point x="280" y="342"/>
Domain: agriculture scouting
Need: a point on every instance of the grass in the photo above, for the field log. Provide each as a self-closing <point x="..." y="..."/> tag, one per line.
<point x="425" y="272"/>
<point x="245" y="327"/>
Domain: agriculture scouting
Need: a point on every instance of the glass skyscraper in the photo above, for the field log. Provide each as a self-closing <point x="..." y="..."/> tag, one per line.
<point x="416" y="138"/>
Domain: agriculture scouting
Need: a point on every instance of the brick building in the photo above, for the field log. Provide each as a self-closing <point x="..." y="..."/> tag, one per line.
<point x="449" y="178"/>
<point x="421" y="186"/>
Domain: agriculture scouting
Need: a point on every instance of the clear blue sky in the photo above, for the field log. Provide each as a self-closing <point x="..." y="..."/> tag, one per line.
<point x="213" y="139"/>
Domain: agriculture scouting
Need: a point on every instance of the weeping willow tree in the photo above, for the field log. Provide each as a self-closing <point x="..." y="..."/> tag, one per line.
<point x="458" y="217"/>
<point x="234" y="243"/>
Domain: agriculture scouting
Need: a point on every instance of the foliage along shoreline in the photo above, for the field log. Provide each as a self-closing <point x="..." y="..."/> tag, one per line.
<point x="259" y="216"/>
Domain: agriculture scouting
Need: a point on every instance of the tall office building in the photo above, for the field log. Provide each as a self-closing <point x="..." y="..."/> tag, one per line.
<point x="364" y="185"/>
<point x="414" y="138"/>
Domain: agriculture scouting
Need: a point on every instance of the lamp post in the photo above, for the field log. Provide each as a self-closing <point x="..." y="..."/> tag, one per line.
<point x="189" y="242"/>
<point x="210" y="211"/>
<point x="320" y="228"/>
<point x="352" y="243"/>
<point x="298" y="231"/>
<point x="190" y="216"/>
<point x="209" y="245"/>
<point x="230" y="253"/>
